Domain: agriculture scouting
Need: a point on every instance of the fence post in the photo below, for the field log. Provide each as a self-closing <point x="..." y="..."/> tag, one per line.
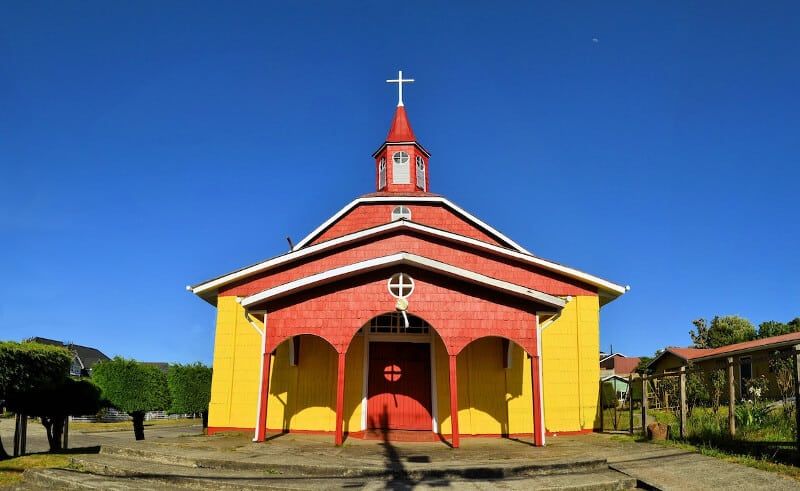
<point x="630" y="401"/>
<point x="796" y="373"/>
<point x="731" y="398"/>
<point x="602" y="409"/>
<point x="645" y="397"/>
<point x="684" y="408"/>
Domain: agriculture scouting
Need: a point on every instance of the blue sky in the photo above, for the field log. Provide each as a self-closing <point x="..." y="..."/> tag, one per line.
<point x="145" y="146"/>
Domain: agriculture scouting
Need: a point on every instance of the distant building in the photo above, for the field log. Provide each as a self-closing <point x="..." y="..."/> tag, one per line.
<point x="83" y="357"/>
<point x="750" y="359"/>
<point x="616" y="368"/>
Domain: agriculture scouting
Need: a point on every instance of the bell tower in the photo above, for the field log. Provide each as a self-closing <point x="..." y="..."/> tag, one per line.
<point x="401" y="163"/>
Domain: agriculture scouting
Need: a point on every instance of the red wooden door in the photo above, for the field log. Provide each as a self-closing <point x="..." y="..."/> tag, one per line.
<point x="399" y="386"/>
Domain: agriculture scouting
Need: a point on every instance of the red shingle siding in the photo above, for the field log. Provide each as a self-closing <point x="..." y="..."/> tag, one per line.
<point x="434" y="215"/>
<point x="459" y="315"/>
<point x="403" y="241"/>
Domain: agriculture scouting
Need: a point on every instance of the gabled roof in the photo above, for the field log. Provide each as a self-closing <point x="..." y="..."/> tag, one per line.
<point x="701" y="354"/>
<point x="410" y="199"/>
<point x="425" y="263"/>
<point x="207" y="290"/>
<point x="87" y="356"/>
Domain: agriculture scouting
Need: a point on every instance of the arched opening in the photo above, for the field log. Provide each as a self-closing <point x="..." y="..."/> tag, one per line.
<point x="494" y="388"/>
<point x="302" y="389"/>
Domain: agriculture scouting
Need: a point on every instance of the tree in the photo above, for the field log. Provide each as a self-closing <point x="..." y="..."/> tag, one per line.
<point x="701" y="338"/>
<point x="774" y="328"/>
<point x="722" y="331"/>
<point x="190" y="389"/>
<point x="132" y="387"/>
<point x="54" y="404"/>
<point x="27" y="367"/>
<point x="643" y="362"/>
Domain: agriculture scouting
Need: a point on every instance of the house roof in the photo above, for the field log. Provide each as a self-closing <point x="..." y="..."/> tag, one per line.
<point x="626" y="365"/>
<point x="87" y="355"/>
<point x="207" y="290"/>
<point x="400" y="130"/>
<point x="700" y="354"/>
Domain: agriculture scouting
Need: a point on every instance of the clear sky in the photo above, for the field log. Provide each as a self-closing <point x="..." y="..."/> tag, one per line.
<point x="146" y="146"/>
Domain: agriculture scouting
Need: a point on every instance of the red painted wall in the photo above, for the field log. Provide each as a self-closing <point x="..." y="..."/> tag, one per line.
<point x="431" y="214"/>
<point x="459" y="313"/>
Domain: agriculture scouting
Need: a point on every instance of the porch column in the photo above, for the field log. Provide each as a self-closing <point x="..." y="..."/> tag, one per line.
<point x="339" y="439"/>
<point x="264" y="396"/>
<point x="536" y="394"/>
<point x="454" y="401"/>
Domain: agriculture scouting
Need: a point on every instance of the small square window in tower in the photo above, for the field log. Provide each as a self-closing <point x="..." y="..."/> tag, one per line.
<point x="400" y="172"/>
<point x="420" y="173"/>
<point x="382" y="173"/>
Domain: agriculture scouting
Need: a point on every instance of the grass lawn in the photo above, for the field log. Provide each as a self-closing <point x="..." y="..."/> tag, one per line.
<point x="11" y="470"/>
<point x="128" y="426"/>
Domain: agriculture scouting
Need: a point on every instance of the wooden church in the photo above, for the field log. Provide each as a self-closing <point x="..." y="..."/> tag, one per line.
<point x="403" y="314"/>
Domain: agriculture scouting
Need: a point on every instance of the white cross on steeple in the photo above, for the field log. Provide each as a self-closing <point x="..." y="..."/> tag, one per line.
<point x="399" y="81"/>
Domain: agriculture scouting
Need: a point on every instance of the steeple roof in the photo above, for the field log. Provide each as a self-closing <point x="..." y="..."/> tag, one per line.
<point x="400" y="130"/>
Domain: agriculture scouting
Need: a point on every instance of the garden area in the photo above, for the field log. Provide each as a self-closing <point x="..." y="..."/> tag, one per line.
<point x="695" y="404"/>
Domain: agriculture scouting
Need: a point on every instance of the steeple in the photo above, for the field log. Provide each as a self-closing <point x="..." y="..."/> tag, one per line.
<point x="401" y="163"/>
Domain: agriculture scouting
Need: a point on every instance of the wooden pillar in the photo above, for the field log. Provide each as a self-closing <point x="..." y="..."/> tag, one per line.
<point x="454" y="401"/>
<point x="264" y="395"/>
<point x="731" y="398"/>
<point x="684" y="408"/>
<point x="630" y="403"/>
<point x="645" y="396"/>
<point x="536" y="389"/>
<point x="339" y="439"/>
<point x="796" y="373"/>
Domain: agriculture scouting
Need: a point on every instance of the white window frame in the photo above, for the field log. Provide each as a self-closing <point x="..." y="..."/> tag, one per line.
<point x="382" y="173"/>
<point x="421" y="172"/>
<point x="401" y="212"/>
<point x="401" y="173"/>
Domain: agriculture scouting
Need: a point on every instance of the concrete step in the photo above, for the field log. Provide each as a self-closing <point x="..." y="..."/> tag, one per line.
<point x="330" y="467"/>
<point x="70" y="479"/>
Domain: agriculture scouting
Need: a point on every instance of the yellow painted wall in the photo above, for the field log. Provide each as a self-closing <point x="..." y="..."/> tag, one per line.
<point x="303" y="397"/>
<point x="570" y="368"/>
<point x="442" y="374"/>
<point x="491" y="400"/>
<point x="237" y="353"/>
<point x="354" y="382"/>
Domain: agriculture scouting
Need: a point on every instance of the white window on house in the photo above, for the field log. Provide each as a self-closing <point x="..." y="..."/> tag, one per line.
<point x="401" y="285"/>
<point x="75" y="368"/>
<point x="382" y="173"/>
<point x="420" y="173"/>
<point x="400" y="172"/>
<point x="401" y="212"/>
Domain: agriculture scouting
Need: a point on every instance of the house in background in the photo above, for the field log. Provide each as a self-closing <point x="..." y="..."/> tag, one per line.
<point x="750" y="358"/>
<point x="617" y="368"/>
<point x="83" y="357"/>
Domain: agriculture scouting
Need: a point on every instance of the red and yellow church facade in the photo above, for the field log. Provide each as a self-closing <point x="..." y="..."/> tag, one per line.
<point x="405" y="313"/>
